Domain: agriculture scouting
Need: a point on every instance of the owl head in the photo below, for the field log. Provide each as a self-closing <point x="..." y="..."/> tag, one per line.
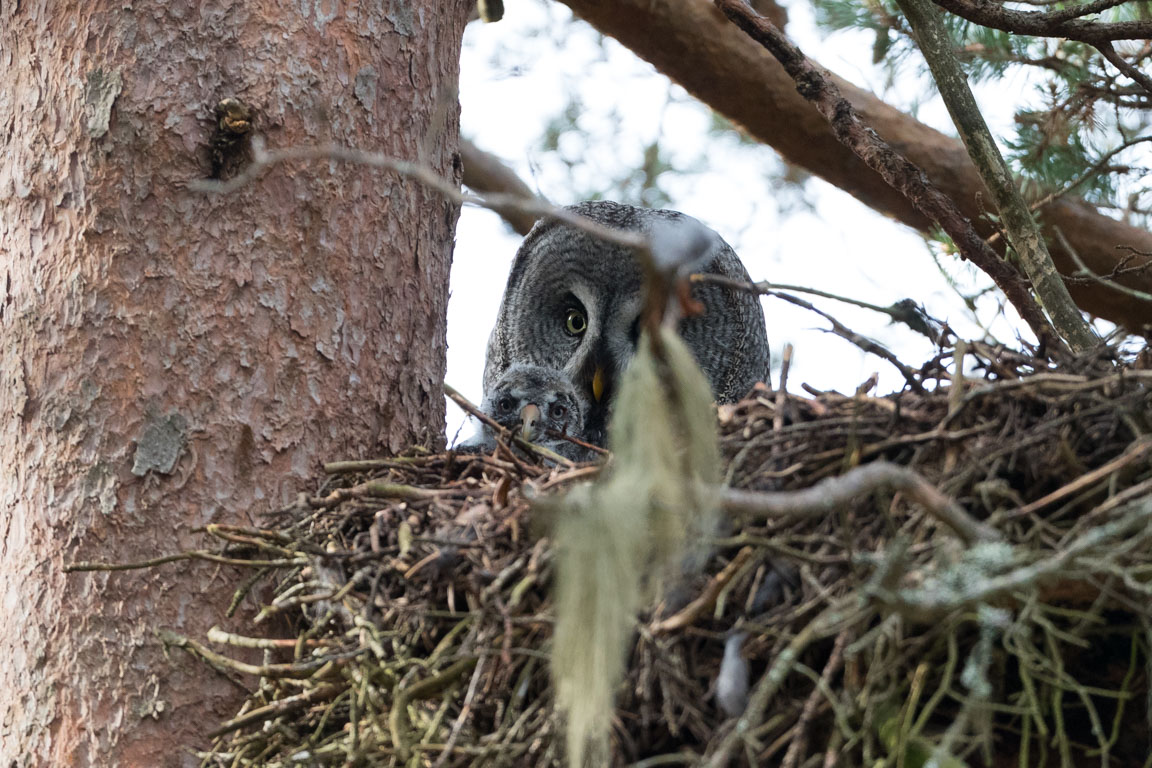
<point x="572" y="304"/>
<point x="540" y="403"/>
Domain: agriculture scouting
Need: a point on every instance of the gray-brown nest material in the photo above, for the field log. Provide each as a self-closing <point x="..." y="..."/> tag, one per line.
<point x="873" y="632"/>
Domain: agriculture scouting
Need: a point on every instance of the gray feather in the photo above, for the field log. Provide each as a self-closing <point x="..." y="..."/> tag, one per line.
<point x="559" y="269"/>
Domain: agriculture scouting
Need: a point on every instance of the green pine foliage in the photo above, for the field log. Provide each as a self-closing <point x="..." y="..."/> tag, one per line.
<point x="1079" y="123"/>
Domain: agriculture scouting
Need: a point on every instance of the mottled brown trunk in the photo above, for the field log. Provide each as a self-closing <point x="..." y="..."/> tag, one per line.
<point x="169" y="359"/>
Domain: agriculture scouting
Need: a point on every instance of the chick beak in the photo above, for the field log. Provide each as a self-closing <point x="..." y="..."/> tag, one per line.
<point x="598" y="383"/>
<point x="529" y="416"/>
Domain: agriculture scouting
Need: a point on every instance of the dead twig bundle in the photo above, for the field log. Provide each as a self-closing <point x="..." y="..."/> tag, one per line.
<point x="979" y="591"/>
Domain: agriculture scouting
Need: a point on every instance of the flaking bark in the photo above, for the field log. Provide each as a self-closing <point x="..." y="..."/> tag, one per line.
<point x="172" y="359"/>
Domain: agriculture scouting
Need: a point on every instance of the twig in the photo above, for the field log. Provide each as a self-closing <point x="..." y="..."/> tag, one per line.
<point x="368" y="465"/>
<point x="380" y="489"/>
<point x="800" y="740"/>
<point x="827" y="496"/>
<point x="1062" y="23"/>
<point x="577" y="441"/>
<point x="773" y="678"/>
<point x="1056" y="382"/>
<point x="956" y="389"/>
<point x="454" y="395"/>
<point x="1098" y="278"/>
<point x="465" y="709"/>
<point x="1023" y="234"/>
<point x="782" y="393"/>
<point x="1137" y="450"/>
<point x="862" y="342"/>
<point x="896" y="170"/>
<point x="196" y="554"/>
<point x="398" y="717"/>
<point x="218" y="635"/>
<point x="486" y="173"/>
<point x="281" y="707"/>
<point x="1128" y="494"/>
<point x="904" y="311"/>
<point x="264" y="159"/>
<point x="706" y="599"/>
<point x="566" y="477"/>
<point x="296" y="671"/>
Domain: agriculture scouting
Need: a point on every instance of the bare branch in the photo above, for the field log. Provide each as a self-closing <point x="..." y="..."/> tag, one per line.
<point x="1022" y="231"/>
<point x="485" y="173"/>
<point x="1062" y="23"/>
<point x="1108" y="51"/>
<point x="1100" y="278"/>
<point x="863" y="342"/>
<point x="897" y="170"/>
<point x="264" y="159"/>
<point x="838" y="328"/>
<point x="828" y="496"/>
<point x="905" y="311"/>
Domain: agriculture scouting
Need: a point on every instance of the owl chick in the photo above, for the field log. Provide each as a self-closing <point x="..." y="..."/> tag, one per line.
<point x="540" y="405"/>
<point x="572" y="304"/>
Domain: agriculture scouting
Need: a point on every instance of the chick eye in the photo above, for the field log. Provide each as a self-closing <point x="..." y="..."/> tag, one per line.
<point x="557" y="411"/>
<point x="575" y="322"/>
<point x="504" y="404"/>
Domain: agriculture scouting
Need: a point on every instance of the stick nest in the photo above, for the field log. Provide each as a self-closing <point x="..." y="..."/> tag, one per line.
<point x="418" y="592"/>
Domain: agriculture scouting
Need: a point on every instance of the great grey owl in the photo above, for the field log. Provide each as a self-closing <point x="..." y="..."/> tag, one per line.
<point x="540" y="405"/>
<point x="572" y="304"/>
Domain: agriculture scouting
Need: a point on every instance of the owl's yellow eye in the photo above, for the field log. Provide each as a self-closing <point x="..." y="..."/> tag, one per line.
<point x="575" y="323"/>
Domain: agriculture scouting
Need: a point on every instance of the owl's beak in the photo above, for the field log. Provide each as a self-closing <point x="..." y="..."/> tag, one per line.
<point x="598" y="383"/>
<point x="529" y="416"/>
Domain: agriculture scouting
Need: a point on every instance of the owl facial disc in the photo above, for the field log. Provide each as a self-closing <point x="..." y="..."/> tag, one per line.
<point x="572" y="303"/>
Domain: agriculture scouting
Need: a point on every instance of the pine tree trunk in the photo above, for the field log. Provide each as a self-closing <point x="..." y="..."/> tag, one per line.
<point x="170" y="359"/>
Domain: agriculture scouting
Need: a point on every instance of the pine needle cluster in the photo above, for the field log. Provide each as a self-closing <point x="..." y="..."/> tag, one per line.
<point x="1080" y="126"/>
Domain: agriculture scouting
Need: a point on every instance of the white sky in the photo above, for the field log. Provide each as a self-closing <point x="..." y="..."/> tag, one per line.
<point x="516" y="76"/>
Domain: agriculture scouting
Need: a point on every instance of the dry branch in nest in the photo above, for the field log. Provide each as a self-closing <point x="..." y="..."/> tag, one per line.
<point x="868" y="624"/>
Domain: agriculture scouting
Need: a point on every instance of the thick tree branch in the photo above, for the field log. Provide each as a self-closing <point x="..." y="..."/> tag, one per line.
<point x="694" y="44"/>
<point x="891" y="165"/>
<point x="1019" y="226"/>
